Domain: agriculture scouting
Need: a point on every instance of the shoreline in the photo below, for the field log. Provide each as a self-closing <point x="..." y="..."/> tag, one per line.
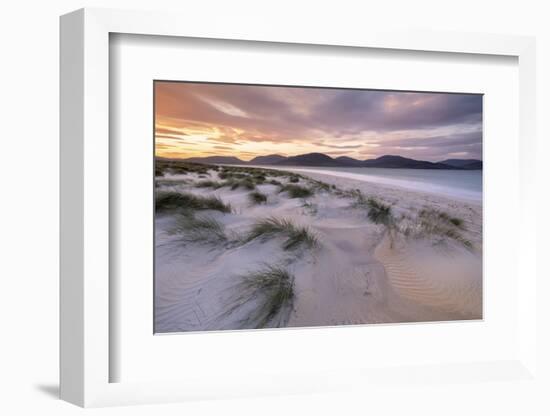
<point x="463" y="195"/>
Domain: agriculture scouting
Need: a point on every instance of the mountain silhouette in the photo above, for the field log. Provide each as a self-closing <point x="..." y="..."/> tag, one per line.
<point x="323" y="160"/>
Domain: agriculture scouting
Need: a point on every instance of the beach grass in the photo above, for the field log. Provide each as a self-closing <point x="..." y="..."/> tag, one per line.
<point x="378" y="212"/>
<point x="435" y="222"/>
<point x="208" y="183"/>
<point x="199" y="229"/>
<point x="259" y="178"/>
<point x="296" y="236"/>
<point x="320" y="185"/>
<point x="257" y="197"/>
<point x="168" y="182"/>
<point x="296" y="191"/>
<point x="443" y="216"/>
<point x="169" y="200"/>
<point x="180" y="167"/>
<point x="234" y="184"/>
<point x="271" y="288"/>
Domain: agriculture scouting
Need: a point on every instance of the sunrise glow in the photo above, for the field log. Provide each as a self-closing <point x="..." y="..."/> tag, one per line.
<point x="197" y="120"/>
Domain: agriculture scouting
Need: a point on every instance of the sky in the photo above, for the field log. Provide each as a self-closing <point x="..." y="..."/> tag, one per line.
<point x="199" y="119"/>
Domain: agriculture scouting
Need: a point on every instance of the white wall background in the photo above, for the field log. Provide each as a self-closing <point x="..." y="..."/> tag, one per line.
<point x="29" y="115"/>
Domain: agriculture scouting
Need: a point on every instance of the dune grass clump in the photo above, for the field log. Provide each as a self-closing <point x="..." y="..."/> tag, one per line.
<point x="296" y="191"/>
<point x="443" y="216"/>
<point x="257" y="197"/>
<point x="159" y="171"/>
<point x="199" y="229"/>
<point x="226" y="174"/>
<point x="431" y="214"/>
<point x="259" y="178"/>
<point x="247" y="184"/>
<point x="457" y="222"/>
<point x="243" y="183"/>
<point x="320" y="186"/>
<point x="173" y="182"/>
<point x="233" y="184"/>
<point x="276" y="173"/>
<point x="207" y="183"/>
<point x="378" y="212"/>
<point x="271" y="291"/>
<point x="169" y="200"/>
<point x="296" y="236"/>
<point x="180" y="167"/>
<point x="435" y="222"/>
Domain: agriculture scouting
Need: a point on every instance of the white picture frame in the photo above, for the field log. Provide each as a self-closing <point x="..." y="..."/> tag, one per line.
<point x="85" y="211"/>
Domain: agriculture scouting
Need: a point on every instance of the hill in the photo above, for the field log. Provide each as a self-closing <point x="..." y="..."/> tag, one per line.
<point x="400" y="162"/>
<point x="323" y="160"/>
<point x="468" y="164"/>
<point x="310" y="159"/>
<point x="267" y="160"/>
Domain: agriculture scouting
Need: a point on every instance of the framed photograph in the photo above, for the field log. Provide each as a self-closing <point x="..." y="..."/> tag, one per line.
<point x="249" y="213"/>
<point x="274" y="206"/>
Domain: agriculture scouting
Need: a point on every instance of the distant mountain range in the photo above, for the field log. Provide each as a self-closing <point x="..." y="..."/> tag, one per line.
<point x="322" y="160"/>
<point x="469" y="164"/>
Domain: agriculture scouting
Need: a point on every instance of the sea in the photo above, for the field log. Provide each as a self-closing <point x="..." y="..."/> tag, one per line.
<point x="463" y="184"/>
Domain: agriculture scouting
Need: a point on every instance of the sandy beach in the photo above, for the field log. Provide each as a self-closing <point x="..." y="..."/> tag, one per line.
<point x="254" y="248"/>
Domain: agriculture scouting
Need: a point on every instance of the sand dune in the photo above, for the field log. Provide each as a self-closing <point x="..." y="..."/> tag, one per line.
<point x="355" y="274"/>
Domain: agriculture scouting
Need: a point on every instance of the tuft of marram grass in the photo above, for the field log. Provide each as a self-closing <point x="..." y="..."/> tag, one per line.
<point x="296" y="236"/>
<point x="296" y="191"/>
<point x="238" y="183"/>
<point x="159" y="171"/>
<point x="199" y="229"/>
<point x="247" y="184"/>
<point x="320" y="185"/>
<point x="435" y="222"/>
<point x="171" y="182"/>
<point x="258" y="178"/>
<point x="443" y="216"/>
<point x="457" y="222"/>
<point x="257" y="197"/>
<point x="179" y="167"/>
<point x="379" y="213"/>
<point x="169" y="200"/>
<point x="271" y="290"/>
<point x="207" y="183"/>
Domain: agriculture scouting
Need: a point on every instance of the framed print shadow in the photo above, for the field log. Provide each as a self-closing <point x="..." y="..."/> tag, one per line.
<point x="287" y="206"/>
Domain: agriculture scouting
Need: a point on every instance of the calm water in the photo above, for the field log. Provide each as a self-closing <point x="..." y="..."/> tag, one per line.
<point x="458" y="183"/>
